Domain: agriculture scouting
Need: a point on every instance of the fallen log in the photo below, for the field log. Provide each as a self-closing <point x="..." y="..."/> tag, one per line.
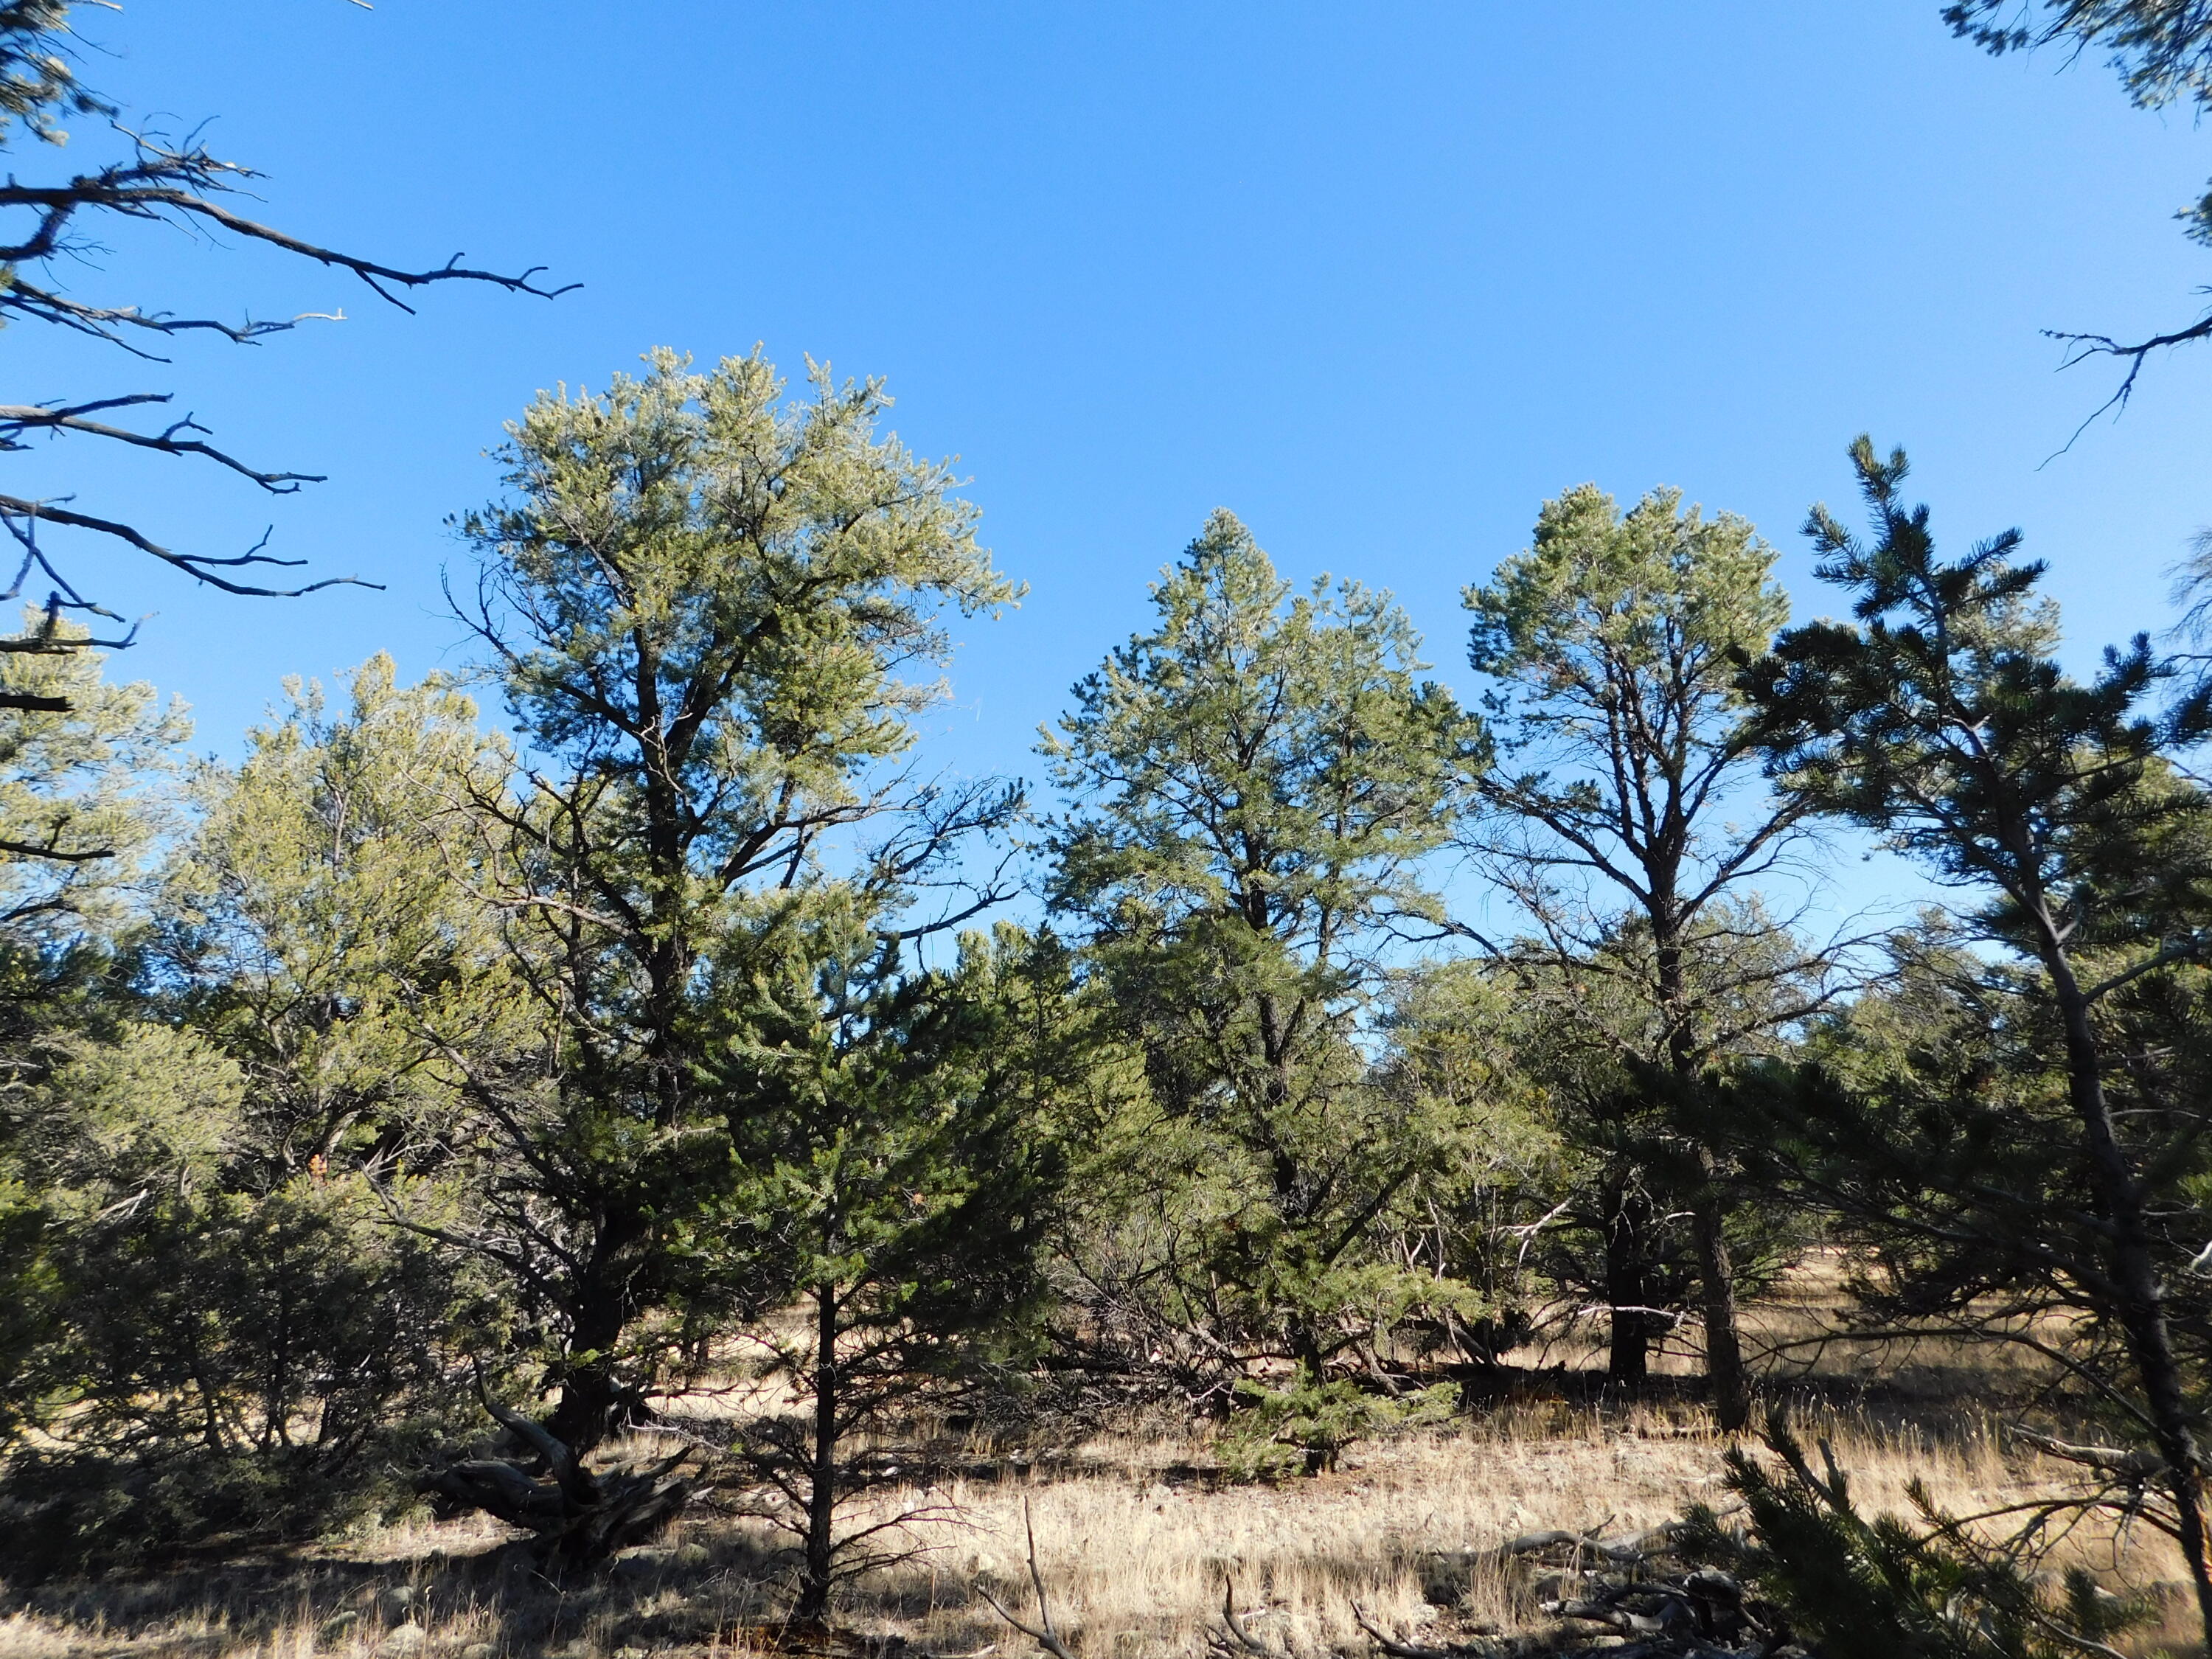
<point x="2122" y="1463"/>
<point x="1636" y="1547"/>
<point x="579" y="1518"/>
<point x="1397" y="1647"/>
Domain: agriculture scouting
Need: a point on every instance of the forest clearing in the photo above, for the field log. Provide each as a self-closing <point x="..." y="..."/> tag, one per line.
<point x="1556" y="1079"/>
<point x="1138" y="1536"/>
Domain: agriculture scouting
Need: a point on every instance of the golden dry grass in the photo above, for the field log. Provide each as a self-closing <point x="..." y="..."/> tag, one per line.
<point x="1136" y="1543"/>
<point x="1135" y="1552"/>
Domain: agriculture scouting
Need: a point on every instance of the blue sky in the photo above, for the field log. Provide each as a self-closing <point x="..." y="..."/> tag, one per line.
<point x="1378" y="278"/>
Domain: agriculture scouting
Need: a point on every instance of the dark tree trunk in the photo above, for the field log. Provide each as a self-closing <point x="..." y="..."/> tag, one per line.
<point x="2135" y="1272"/>
<point x="1301" y="1333"/>
<point x="580" y="1518"/>
<point x="822" y="1473"/>
<point x="591" y="1395"/>
<point x="1724" y="1374"/>
<point x="594" y="1397"/>
<point x="1628" y="1284"/>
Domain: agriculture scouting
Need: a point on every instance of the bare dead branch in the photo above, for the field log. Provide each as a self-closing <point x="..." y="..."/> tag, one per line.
<point x="199" y="567"/>
<point x="1393" y="1646"/>
<point x="1042" y="1632"/>
<point x="2083" y="347"/>
<point x="178" y="183"/>
<point x="17" y="420"/>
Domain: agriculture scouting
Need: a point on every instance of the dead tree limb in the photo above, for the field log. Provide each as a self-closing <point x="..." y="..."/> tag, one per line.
<point x="50" y="228"/>
<point x="1042" y="1632"/>
<point x="2118" y="1462"/>
<point x="1398" y="1649"/>
<point x="1238" y="1639"/>
<point x="579" y="1518"/>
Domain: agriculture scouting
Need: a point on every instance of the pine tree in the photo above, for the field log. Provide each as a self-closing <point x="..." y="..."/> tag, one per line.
<point x="1256" y="783"/>
<point x="702" y="600"/>
<point x="1939" y="717"/>
<point x="241" y="1339"/>
<point x="914" y="1163"/>
<point x="1624" y="793"/>
<point x="83" y="763"/>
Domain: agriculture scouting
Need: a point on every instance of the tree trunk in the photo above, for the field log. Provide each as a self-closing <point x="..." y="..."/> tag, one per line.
<point x="590" y="1391"/>
<point x="1717" y="1302"/>
<point x="1628" y="1285"/>
<point x="1301" y="1332"/>
<point x="2143" y="1312"/>
<point x="1725" y="1375"/>
<point x="822" y="1472"/>
<point x="580" y="1519"/>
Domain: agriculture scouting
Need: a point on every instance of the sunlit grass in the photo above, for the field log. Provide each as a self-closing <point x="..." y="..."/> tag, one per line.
<point x="1135" y="1541"/>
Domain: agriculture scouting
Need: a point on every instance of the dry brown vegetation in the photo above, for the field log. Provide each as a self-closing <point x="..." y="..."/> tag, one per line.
<point x="1136" y="1536"/>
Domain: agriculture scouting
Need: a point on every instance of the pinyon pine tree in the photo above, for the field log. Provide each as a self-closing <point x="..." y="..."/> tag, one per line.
<point x="704" y="600"/>
<point x="1627" y="807"/>
<point x="1256" y="781"/>
<point x="1938" y="718"/>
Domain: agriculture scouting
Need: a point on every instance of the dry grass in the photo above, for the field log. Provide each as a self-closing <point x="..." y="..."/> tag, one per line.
<point x="1138" y="1565"/>
<point x="1134" y="1548"/>
<point x="1133" y="1539"/>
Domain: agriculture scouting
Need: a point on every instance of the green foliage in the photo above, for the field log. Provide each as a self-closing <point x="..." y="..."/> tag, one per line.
<point x="323" y="927"/>
<point x="1614" y="643"/>
<point x="1258" y="781"/>
<point x="38" y="88"/>
<point x="78" y="788"/>
<point x="1631" y="1132"/>
<point x="63" y="1513"/>
<point x="1883" y="1589"/>
<point x="1931" y="1125"/>
<point x="1260" y="755"/>
<point x="705" y="601"/>
<point x="732" y="581"/>
<point x="30" y="1293"/>
<point x="1458" y="1065"/>
<point x="914" y="1157"/>
<point x="80" y="809"/>
<point x="226" y="1357"/>
<point x="1659" y="590"/>
<point x="911" y="1169"/>
<point x="1941" y="719"/>
<point x="1938" y="1125"/>
<point x="227" y="1333"/>
<point x="619" y="1048"/>
<point x="1621" y="822"/>
<point x="1303" y="1428"/>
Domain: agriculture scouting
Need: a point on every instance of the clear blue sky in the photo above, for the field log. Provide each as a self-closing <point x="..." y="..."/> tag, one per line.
<point x="1379" y="278"/>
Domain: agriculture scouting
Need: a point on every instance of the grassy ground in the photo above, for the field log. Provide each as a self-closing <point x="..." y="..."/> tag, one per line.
<point x="1134" y="1551"/>
<point x="1134" y="1542"/>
